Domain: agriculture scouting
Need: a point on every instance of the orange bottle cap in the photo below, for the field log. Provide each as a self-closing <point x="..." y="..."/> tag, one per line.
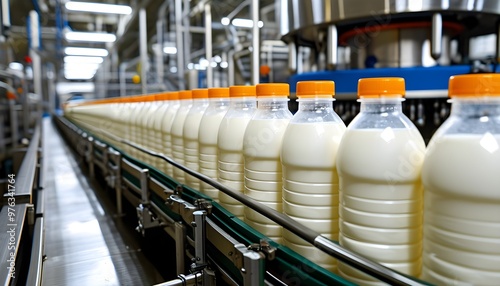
<point x="474" y="85"/>
<point x="242" y="91"/>
<point x="162" y="96"/>
<point x="185" y="94"/>
<point x="200" y="93"/>
<point x="273" y="90"/>
<point x="148" y="97"/>
<point x="381" y="87"/>
<point x="218" y="92"/>
<point x="174" y="95"/>
<point x="315" y="89"/>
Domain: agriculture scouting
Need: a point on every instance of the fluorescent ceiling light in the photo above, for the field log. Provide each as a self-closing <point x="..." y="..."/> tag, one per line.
<point x="98" y="8"/>
<point x="83" y="60"/>
<point x="90" y="37"/>
<point x="70" y="87"/>
<point x="170" y="50"/>
<point x="225" y="21"/>
<point x="245" y="23"/>
<point x="80" y="67"/>
<point x="73" y="51"/>
<point x="79" y="74"/>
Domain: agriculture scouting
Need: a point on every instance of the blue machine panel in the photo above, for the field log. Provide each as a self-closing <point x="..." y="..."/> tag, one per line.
<point x="417" y="78"/>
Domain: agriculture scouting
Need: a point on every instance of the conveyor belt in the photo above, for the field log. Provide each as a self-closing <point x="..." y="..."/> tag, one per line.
<point x="82" y="245"/>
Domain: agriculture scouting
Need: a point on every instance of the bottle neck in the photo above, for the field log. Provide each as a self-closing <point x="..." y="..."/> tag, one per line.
<point x="381" y="105"/>
<point x="316" y="105"/>
<point x="243" y="103"/>
<point x="475" y="107"/>
<point x="219" y="101"/>
<point x="272" y="103"/>
<point x="200" y="101"/>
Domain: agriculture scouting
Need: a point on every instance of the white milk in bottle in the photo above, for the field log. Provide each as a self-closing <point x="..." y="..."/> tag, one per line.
<point x="156" y="134"/>
<point x="232" y="128"/>
<point x="208" y="133"/>
<point x="461" y="177"/>
<point x="379" y="162"/>
<point x="261" y="150"/>
<point x="147" y="127"/>
<point x="186" y="102"/>
<point x="308" y="157"/>
<point x="190" y="134"/>
<point x="166" y="128"/>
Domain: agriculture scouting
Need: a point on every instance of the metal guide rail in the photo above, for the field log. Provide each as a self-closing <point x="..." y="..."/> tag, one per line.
<point x="21" y="220"/>
<point x="210" y="242"/>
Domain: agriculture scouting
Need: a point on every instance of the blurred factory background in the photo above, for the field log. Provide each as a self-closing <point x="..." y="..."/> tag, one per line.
<point x="52" y="51"/>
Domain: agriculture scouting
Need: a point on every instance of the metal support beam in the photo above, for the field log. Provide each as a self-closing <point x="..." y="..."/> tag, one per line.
<point x="332" y="47"/>
<point x="179" y="44"/>
<point x="255" y="42"/>
<point x="208" y="45"/>
<point x="143" y="48"/>
<point x="199" y="238"/>
<point x="437" y="36"/>
<point x="35" y="45"/>
<point x="180" y="234"/>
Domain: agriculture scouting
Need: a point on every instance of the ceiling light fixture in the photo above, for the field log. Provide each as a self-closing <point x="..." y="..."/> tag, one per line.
<point x="90" y="37"/>
<point x="245" y="23"/>
<point x="83" y="60"/>
<point x="98" y="8"/>
<point x="74" y="51"/>
<point x="170" y="50"/>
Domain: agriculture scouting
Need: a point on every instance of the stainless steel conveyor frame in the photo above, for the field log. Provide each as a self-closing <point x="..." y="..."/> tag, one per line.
<point x="21" y="220"/>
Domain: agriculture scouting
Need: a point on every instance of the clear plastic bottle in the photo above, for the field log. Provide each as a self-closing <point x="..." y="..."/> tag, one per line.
<point x="147" y="127"/>
<point x="166" y="127"/>
<point x="461" y="177"/>
<point x="156" y="133"/>
<point x="190" y="134"/>
<point x="261" y="150"/>
<point x="379" y="165"/>
<point x="208" y="133"/>
<point x="310" y="180"/>
<point x="232" y="128"/>
<point x="186" y="101"/>
<point x="141" y="125"/>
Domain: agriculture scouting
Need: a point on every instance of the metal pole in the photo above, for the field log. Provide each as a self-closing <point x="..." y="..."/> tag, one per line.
<point x="160" y="38"/>
<point x="179" y="40"/>
<point x="208" y="44"/>
<point x="186" y="34"/>
<point x="143" y="49"/>
<point x="35" y="45"/>
<point x="292" y="57"/>
<point x="123" y="84"/>
<point x="255" y="42"/>
<point x="437" y="35"/>
<point x="230" y="68"/>
<point x="332" y="47"/>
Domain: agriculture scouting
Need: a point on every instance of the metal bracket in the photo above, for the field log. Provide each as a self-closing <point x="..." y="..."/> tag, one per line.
<point x="185" y="209"/>
<point x="265" y="248"/>
<point x="252" y="265"/>
<point x="199" y="225"/>
<point x="146" y="219"/>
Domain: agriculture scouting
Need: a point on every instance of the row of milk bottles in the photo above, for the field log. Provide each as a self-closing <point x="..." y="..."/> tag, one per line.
<point x="362" y="185"/>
